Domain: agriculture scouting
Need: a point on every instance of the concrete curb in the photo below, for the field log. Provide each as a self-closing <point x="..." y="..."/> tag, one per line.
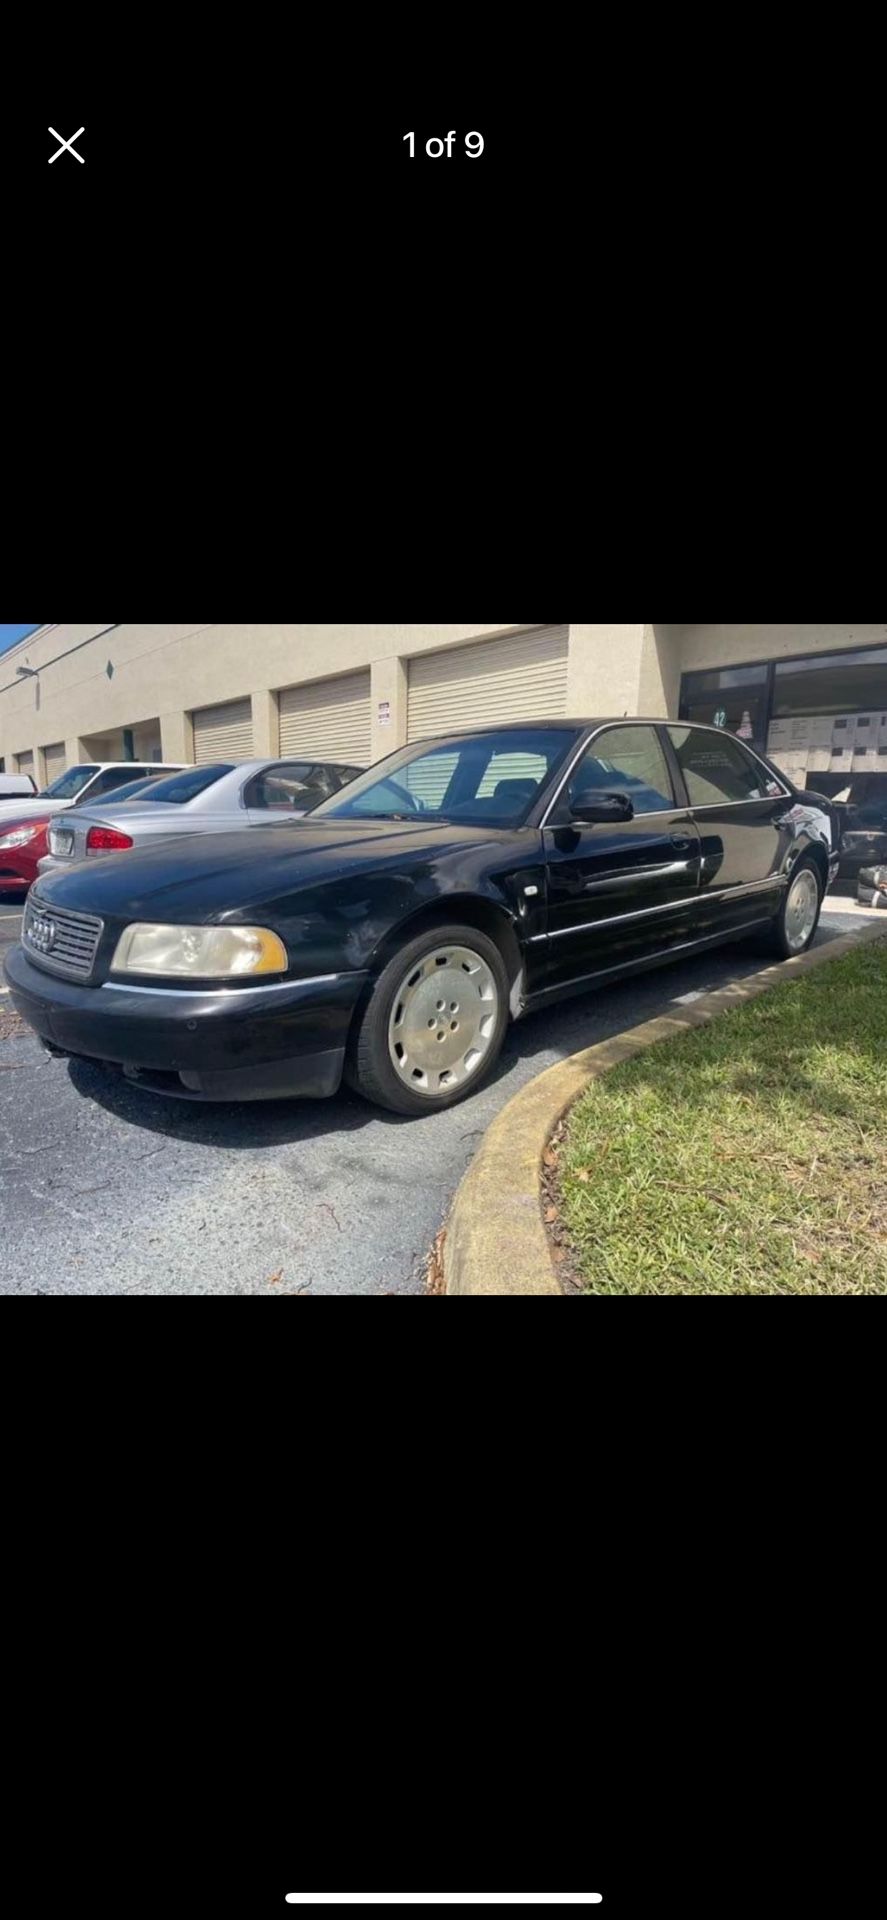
<point x="495" y="1240"/>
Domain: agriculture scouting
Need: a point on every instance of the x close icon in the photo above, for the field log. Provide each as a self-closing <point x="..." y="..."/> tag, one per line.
<point x="67" y="146"/>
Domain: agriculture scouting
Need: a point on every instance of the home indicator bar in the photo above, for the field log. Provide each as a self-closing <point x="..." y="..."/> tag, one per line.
<point x="444" y="1899"/>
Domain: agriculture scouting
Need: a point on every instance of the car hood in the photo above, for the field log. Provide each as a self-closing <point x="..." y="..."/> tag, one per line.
<point x="31" y="809"/>
<point x="204" y="875"/>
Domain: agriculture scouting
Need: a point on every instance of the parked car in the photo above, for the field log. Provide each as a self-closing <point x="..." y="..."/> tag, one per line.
<point x="863" y="836"/>
<point x="17" y="786"/>
<point x="208" y="799"/>
<point x="80" y="785"/>
<point x="462" y="882"/>
<point x="23" y="843"/>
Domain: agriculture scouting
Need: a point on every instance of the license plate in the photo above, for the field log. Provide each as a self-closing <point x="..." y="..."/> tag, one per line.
<point x="63" y="841"/>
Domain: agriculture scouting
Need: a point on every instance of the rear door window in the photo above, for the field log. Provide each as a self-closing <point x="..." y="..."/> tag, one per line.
<point x="176" y="789"/>
<point x="289" y="788"/>
<point x="717" y="768"/>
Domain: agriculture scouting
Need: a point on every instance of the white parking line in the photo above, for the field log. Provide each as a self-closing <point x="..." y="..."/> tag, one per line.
<point x="444" y="1899"/>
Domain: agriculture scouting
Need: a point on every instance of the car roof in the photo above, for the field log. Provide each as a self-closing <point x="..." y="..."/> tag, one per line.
<point x="567" y="724"/>
<point x="232" y="768"/>
<point x="278" y="760"/>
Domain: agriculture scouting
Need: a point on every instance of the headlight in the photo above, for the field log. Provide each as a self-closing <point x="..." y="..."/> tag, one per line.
<point x="209" y="953"/>
<point x="19" y="836"/>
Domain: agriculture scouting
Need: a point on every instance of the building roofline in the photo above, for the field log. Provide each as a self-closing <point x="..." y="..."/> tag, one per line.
<point x="27" y="640"/>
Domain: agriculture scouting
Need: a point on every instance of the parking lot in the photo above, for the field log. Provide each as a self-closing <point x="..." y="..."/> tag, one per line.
<point x="108" y="1190"/>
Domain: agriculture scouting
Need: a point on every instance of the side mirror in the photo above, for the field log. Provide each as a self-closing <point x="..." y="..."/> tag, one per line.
<point x="601" y="809"/>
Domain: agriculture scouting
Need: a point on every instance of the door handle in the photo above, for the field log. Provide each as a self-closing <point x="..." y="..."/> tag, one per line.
<point x="681" y="843"/>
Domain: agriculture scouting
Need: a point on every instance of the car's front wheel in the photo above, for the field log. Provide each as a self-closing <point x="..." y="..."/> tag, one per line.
<point x="798" y="916"/>
<point x="434" y="1022"/>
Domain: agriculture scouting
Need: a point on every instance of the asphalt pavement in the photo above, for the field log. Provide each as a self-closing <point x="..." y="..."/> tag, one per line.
<point x="108" y="1190"/>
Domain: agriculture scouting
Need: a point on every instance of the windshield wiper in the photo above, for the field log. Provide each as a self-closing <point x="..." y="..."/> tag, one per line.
<point x="388" y="816"/>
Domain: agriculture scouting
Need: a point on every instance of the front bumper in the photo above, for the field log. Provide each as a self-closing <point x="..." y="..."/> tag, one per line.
<point x="278" y="1041"/>
<point x="16" y="869"/>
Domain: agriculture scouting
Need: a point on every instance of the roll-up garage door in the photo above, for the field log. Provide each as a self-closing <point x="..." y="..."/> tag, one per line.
<point x="223" y="733"/>
<point x="55" y="761"/>
<point x="521" y="676"/>
<point x="24" y="763"/>
<point x="328" y="720"/>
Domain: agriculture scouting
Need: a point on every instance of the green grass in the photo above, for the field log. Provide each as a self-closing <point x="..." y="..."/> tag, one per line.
<point x="749" y="1156"/>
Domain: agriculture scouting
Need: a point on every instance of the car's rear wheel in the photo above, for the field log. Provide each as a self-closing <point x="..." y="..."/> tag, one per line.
<point x="798" y="916"/>
<point x="434" y="1022"/>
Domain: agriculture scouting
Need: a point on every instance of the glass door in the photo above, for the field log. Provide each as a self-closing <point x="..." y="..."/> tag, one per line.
<point x="735" y="698"/>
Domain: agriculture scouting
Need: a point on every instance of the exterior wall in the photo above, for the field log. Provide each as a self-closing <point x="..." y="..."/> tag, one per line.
<point x="603" y="671"/>
<point x="266" y="725"/>
<point x="739" y="646"/>
<point x="659" y="688"/>
<point x="618" y="670"/>
<point x="93" y="681"/>
<point x="163" y="672"/>
<point x="389" y="681"/>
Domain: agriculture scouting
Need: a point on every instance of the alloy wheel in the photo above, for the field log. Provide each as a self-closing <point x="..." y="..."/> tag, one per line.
<point x="801" y="909"/>
<point x="443" y="1020"/>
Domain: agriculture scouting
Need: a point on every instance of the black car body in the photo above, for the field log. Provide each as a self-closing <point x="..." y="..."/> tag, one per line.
<point x="559" y="854"/>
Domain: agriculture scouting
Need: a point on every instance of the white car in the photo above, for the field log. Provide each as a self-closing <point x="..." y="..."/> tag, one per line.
<point x="94" y="780"/>
<point x="210" y="799"/>
<point x="17" y="786"/>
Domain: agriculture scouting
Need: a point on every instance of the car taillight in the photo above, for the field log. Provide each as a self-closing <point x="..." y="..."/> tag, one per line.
<point x="106" y="840"/>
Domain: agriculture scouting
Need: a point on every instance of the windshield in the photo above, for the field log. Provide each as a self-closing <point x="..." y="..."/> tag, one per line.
<point x="178" y="788"/>
<point x="483" y="779"/>
<point x="68" y="784"/>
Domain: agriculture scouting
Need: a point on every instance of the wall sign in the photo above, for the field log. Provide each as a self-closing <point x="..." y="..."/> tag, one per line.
<point x="384" y="713"/>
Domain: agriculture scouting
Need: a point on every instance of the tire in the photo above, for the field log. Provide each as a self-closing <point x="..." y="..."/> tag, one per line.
<point x="445" y="990"/>
<point x="798" y="917"/>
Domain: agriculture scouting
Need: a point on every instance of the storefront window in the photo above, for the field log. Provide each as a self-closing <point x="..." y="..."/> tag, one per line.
<point x="831" y="683"/>
<point x="822" y="720"/>
<point x="734" y="698"/>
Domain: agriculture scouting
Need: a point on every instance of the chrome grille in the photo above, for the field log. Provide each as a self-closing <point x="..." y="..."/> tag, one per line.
<point x="62" y="942"/>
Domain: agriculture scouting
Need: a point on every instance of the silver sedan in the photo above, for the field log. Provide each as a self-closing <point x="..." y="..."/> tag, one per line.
<point x="209" y="799"/>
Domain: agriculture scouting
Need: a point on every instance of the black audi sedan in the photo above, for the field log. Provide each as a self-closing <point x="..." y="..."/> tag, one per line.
<point x="392" y="934"/>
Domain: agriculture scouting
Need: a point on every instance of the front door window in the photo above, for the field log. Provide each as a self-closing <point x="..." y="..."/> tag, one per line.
<point x="627" y="760"/>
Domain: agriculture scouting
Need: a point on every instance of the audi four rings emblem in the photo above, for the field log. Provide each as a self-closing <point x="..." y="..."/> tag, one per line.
<point x="41" y="934"/>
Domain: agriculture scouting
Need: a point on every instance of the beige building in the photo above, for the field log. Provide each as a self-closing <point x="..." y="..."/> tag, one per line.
<point x="189" y="692"/>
